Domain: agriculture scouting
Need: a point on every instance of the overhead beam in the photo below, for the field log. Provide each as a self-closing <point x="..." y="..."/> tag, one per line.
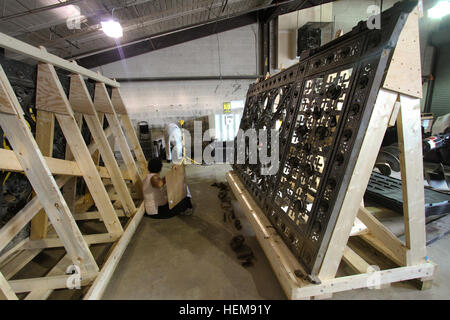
<point x="40" y="54"/>
<point x="189" y="33"/>
<point x="166" y="40"/>
<point x="188" y="78"/>
<point x="283" y="7"/>
<point x="94" y="31"/>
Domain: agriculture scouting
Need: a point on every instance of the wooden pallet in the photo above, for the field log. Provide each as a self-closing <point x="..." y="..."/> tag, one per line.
<point x="398" y="101"/>
<point x="54" y="211"/>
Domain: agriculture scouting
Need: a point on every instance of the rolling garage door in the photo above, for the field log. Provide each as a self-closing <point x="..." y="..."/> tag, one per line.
<point x="440" y="104"/>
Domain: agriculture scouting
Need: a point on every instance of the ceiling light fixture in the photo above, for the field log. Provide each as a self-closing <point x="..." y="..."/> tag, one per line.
<point x="441" y="9"/>
<point x="112" y="28"/>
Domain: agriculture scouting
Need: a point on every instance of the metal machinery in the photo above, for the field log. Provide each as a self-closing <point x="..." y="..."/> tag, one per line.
<point x="324" y="104"/>
<point x="145" y="139"/>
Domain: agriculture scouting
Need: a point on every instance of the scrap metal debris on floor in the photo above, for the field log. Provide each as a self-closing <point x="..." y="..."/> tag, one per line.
<point x="243" y="251"/>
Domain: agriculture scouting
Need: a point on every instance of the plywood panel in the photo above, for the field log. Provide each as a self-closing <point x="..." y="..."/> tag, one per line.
<point x="176" y="187"/>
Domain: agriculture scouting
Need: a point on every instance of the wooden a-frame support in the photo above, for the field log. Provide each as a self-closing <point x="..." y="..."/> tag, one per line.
<point x="398" y="101"/>
<point x="34" y="158"/>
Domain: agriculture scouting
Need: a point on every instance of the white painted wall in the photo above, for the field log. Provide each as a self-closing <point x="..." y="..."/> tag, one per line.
<point x="345" y="14"/>
<point x="230" y="53"/>
<point x="288" y="24"/>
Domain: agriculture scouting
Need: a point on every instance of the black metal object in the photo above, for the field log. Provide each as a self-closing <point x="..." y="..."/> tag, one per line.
<point x="325" y="103"/>
<point x="309" y="37"/>
<point x="145" y="139"/>
<point x="388" y="191"/>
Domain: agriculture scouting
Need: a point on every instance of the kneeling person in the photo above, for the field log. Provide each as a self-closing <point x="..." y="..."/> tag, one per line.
<point x="155" y="195"/>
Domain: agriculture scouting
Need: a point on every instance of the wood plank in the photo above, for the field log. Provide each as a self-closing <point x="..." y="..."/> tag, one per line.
<point x="405" y="71"/>
<point x="10" y="162"/>
<point x="115" y="172"/>
<point x="282" y="261"/>
<point x="364" y="280"/>
<point x="6" y="292"/>
<point x="77" y="96"/>
<point x="135" y="145"/>
<point x="358" y="228"/>
<point x="90" y="174"/>
<point x="45" y="130"/>
<point x="48" y="97"/>
<point x="48" y="283"/>
<point x="394" y="114"/>
<point x="10" y="269"/>
<point x="117" y="101"/>
<point x="96" y="154"/>
<point x="14" y="45"/>
<point x="358" y="183"/>
<point x="9" y="254"/>
<point x="55" y="242"/>
<point x="391" y="241"/>
<point x="354" y="261"/>
<point x="69" y="190"/>
<point x="101" y="141"/>
<point x="41" y="179"/>
<point x="59" y="269"/>
<point x="65" y="116"/>
<point x="410" y="146"/>
<point x="98" y="287"/>
<point x="5" y="107"/>
<point x="95" y="215"/>
<point x="20" y="220"/>
<point x="130" y="132"/>
<point x="382" y="248"/>
<point x="103" y="103"/>
<point x="176" y="187"/>
<point x="127" y="157"/>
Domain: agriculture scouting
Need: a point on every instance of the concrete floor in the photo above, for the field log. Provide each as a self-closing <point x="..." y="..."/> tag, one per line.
<point x="190" y="257"/>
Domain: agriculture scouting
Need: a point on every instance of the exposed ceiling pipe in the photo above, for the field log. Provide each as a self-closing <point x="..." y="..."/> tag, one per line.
<point x="41" y="9"/>
<point x="191" y="78"/>
<point x="94" y="32"/>
<point x="252" y="10"/>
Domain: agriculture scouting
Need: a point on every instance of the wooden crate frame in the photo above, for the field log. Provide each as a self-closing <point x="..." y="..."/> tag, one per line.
<point x="48" y="175"/>
<point x="398" y="101"/>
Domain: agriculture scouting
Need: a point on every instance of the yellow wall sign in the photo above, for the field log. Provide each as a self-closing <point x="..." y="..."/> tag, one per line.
<point x="227" y="107"/>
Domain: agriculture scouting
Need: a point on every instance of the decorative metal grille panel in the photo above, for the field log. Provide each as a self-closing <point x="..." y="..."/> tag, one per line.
<point x="322" y="106"/>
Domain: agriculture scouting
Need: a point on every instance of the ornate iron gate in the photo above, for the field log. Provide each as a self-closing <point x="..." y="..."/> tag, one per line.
<point x="324" y="104"/>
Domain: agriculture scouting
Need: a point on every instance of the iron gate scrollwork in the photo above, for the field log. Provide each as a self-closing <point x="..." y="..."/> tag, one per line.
<point x="321" y="107"/>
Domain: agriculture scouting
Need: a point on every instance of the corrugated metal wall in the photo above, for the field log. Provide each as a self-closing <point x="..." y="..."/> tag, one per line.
<point x="440" y="104"/>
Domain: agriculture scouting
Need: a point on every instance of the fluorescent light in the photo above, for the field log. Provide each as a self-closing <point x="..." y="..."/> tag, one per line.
<point x="112" y="28"/>
<point x="441" y="9"/>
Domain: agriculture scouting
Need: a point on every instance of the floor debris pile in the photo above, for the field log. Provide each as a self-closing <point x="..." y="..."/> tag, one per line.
<point x="243" y="251"/>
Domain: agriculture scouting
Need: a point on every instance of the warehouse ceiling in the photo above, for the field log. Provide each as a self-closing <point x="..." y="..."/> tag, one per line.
<point x="72" y="29"/>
